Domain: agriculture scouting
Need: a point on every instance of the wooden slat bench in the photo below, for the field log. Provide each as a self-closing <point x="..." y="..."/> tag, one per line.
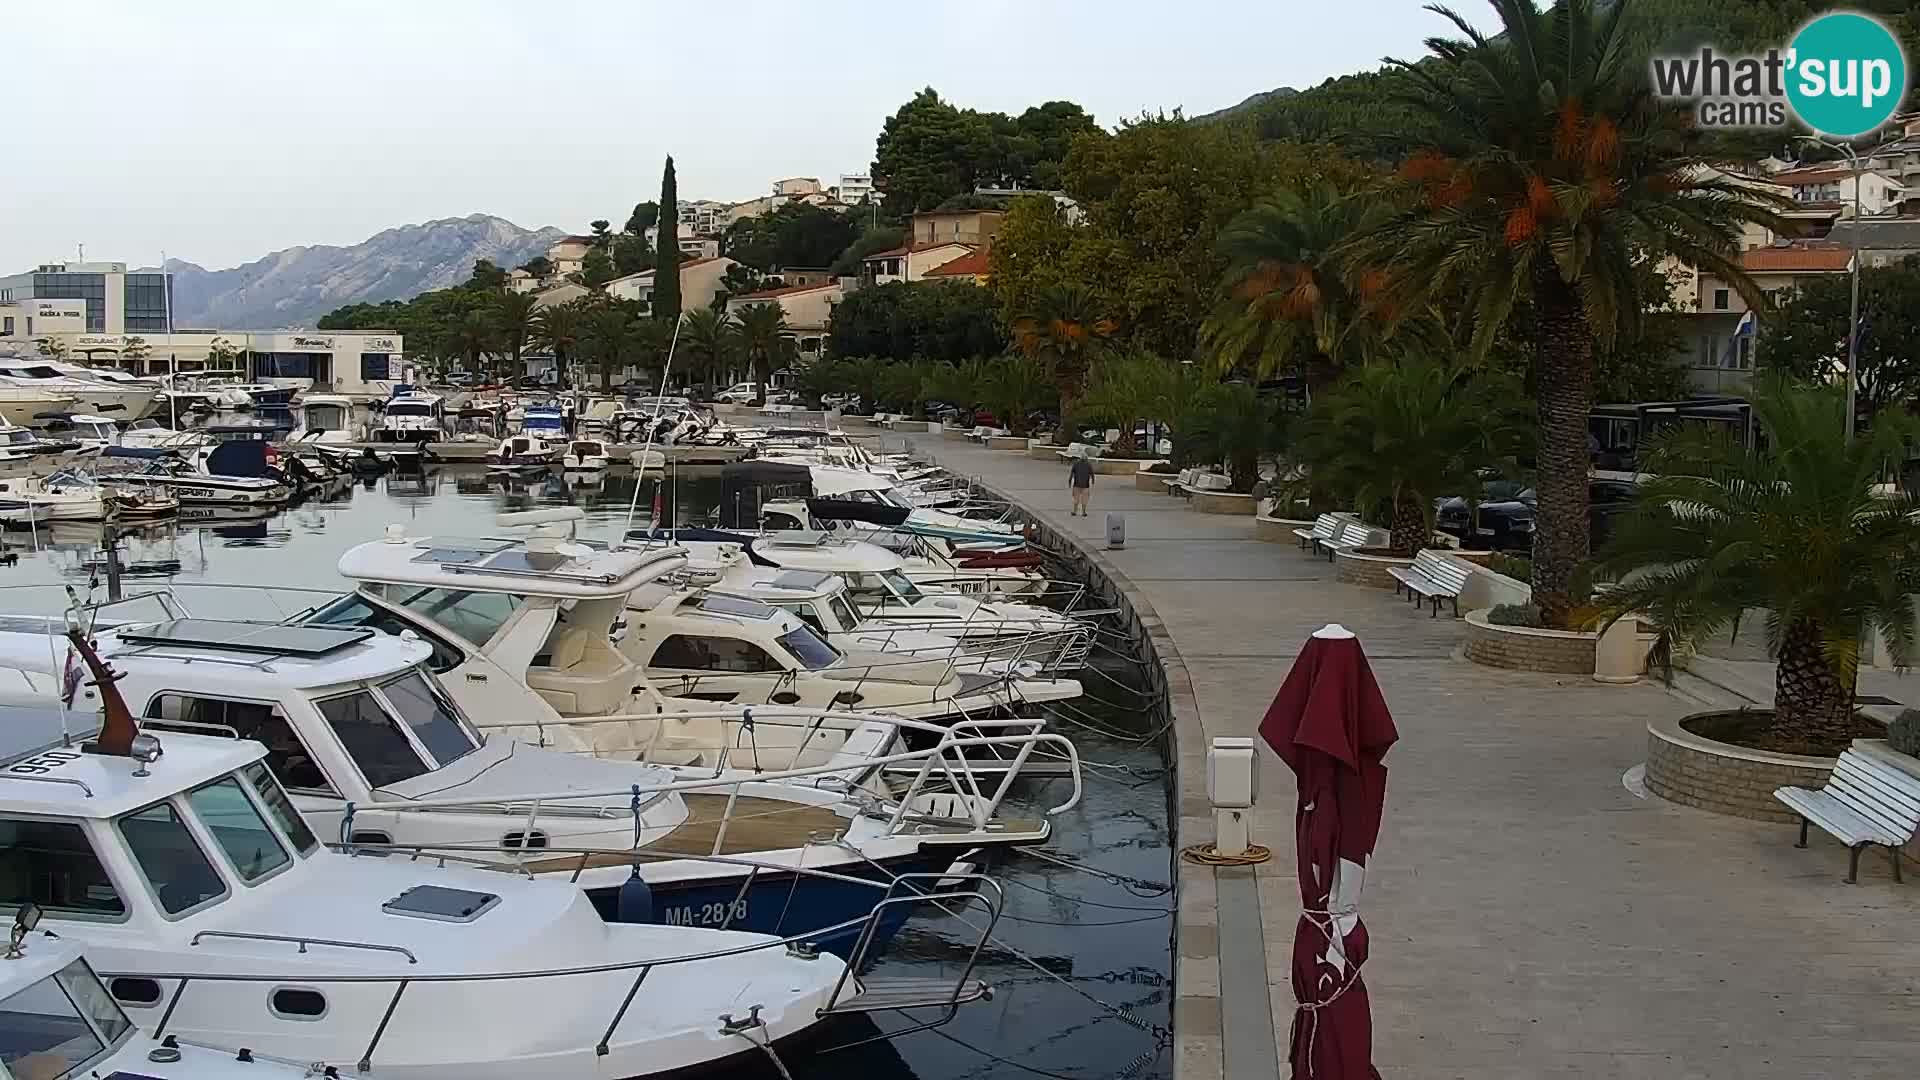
<point x="1346" y="537"/>
<point x="1866" y="802"/>
<point x="1432" y="577"/>
<point x="1323" y="528"/>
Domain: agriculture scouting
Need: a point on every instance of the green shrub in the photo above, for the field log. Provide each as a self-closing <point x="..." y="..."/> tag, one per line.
<point x="1904" y="733"/>
<point x="1517" y="567"/>
<point x="1516" y="615"/>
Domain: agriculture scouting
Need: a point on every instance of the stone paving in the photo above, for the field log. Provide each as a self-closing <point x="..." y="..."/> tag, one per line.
<point x="1531" y="916"/>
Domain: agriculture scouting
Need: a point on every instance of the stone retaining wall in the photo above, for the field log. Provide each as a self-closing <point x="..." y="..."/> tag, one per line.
<point x="1113" y="466"/>
<point x="1369" y="570"/>
<point x="1699" y="772"/>
<point x="1523" y="648"/>
<point x="1223" y="502"/>
<point x="1278" y="530"/>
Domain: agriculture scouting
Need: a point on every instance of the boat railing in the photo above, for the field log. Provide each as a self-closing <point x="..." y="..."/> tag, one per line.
<point x="304" y="941"/>
<point x="1012" y="642"/>
<point x="945" y="762"/>
<point x="949" y="891"/>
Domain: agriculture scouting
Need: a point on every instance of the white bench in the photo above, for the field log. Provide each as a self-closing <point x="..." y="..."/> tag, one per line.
<point x="983" y="433"/>
<point x="1432" y="577"/>
<point x="1323" y="528"/>
<point x="1349" y="535"/>
<point x="1192" y="480"/>
<point x="1866" y="802"/>
<point x="1078" y="450"/>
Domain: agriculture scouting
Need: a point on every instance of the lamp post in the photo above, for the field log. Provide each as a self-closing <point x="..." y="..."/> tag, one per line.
<point x="1853" y="313"/>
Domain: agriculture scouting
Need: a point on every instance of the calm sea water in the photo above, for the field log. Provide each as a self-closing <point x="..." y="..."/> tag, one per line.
<point x="1081" y="957"/>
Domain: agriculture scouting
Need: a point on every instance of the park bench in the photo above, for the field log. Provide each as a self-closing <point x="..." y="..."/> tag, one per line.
<point x="1867" y="801"/>
<point x="1189" y="481"/>
<point x="1346" y="537"/>
<point x="1432" y="577"/>
<point x="1323" y="528"/>
<point x="982" y="433"/>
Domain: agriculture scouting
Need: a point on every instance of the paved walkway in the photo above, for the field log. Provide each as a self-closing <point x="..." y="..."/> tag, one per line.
<point x="1530" y="916"/>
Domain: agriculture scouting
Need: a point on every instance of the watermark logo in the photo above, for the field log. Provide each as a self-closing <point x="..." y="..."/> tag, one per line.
<point x="1843" y="75"/>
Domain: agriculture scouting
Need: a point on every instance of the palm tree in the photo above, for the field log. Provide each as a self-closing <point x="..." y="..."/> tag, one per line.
<point x="1015" y="387"/>
<point x="1548" y="164"/>
<point x="765" y="341"/>
<point x="560" y="328"/>
<point x="1233" y="425"/>
<point x="472" y="336"/>
<point x="709" y="342"/>
<point x="1292" y="298"/>
<point x="1405" y="435"/>
<point x="1130" y="386"/>
<point x="1066" y="329"/>
<point x="609" y="338"/>
<point x="516" y="316"/>
<point x="1797" y="529"/>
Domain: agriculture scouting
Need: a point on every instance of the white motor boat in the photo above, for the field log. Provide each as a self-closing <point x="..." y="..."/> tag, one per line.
<point x="585" y="455"/>
<point x="215" y="915"/>
<point x="412" y="417"/>
<point x="152" y="435"/>
<point x="60" y="497"/>
<point x="20" y="404"/>
<point x="128" y="402"/>
<point x="524" y="451"/>
<point x="229" y="474"/>
<point x="58" y="1019"/>
<point x="325" y="420"/>
<point x="93" y="433"/>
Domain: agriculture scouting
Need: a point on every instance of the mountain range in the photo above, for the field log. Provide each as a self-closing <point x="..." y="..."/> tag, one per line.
<point x="292" y="288"/>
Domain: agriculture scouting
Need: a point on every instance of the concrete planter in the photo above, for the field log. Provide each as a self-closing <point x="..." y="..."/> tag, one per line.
<point x="1113" y="466"/>
<point x="1007" y="442"/>
<point x="1279" y="530"/>
<point x="1155" y="482"/>
<point x="1356" y="568"/>
<point x="954" y="432"/>
<point x="1525" y="648"/>
<point x="1696" y="771"/>
<point x="935" y="427"/>
<point x="1223" y="502"/>
<point x="1042" y="449"/>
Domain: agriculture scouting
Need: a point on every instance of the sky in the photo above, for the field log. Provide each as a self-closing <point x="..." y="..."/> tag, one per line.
<point x="219" y="131"/>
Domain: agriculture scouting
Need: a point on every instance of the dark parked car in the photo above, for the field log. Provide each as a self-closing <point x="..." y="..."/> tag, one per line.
<point x="1607" y="500"/>
<point x="1505" y="518"/>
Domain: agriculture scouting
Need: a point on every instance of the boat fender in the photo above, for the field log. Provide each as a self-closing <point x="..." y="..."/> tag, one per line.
<point x="635" y="901"/>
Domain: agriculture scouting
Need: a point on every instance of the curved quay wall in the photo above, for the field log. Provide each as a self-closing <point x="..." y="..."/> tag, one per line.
<point x="1196" y="965"/>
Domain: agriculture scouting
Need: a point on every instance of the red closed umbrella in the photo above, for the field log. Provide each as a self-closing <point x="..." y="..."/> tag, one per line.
<point x="1331" y="726"/>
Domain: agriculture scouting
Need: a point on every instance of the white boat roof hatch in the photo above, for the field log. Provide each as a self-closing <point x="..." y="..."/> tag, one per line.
<point x="573" y="570"/>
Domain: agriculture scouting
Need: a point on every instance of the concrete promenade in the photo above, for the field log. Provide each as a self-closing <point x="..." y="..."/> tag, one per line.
<point x="1531" y="917"/>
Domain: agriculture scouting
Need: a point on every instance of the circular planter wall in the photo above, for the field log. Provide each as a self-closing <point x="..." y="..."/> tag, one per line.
<point x="1524" y="648"/>
<point x="1155" y="482"/>
<point x="1043" y="450"/>
<point x="1694" y="770"/>
<point x="1279" y="530"/>
<point x="1120" y="466"/>
<point x="1223" y="502"/>
<point x="1361" y="568"/>
<point x="1007" y="442"/>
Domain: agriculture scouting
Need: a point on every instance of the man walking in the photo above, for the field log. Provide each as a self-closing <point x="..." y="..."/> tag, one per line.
<point x="1080" y="482"/>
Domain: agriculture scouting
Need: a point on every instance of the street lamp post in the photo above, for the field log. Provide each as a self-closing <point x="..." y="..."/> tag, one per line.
<point x="1853" y="313"/>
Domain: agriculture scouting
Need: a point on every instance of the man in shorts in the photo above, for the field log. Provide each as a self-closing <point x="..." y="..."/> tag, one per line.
<point x="1080" y="482"/>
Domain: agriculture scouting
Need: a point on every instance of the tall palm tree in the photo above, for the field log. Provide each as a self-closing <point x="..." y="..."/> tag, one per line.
<point x="515" y="314"/>
<point x="472" y="336"/>
<point x="709" y="342"/>
<point x="1292" y="298"/>
<point x="1548" y="164"/>
<point x="1066" y="329"/>
<point x="1408" y="434"/>
<point x="1014" y="388"/>
<point x="1797" y="529"/>
<point x="1231" y="424"/>
<point x="560" y="328"/>
<point x="765" y="341"/>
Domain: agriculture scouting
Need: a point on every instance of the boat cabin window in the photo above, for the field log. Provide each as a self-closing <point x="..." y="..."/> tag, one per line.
<point x="891" y="583"/>
<point x="806" y="614"/>
<point x="352" y="610"/>
<point x="59" y="1025"/>
<point x="238" y="827"/>
<point x="280" y="807"/>
<point x="410" y="408"/>
<point x="809" y="648"/>
<point x="433" y="720"/>
<point x="372" y="738"/>
<point x="476" y="616"/>
<point x="696" y="652"/>
<point x="843" y="611"/>
<point x="181" y="875"/>
<point x="50" y="863"/>
<point x="264" y="723"/>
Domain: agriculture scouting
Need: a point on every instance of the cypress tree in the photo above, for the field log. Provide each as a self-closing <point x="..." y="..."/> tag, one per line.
<point x="666" y="256"/>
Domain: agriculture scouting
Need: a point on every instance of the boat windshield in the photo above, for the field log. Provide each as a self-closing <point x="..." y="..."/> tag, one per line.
<point x="59" y="1025"/>
<point x="178" y="871"/>
<point x="410" y="408"/>
<point x="808" y="647"/>
<point x="475" y="616"/>
<point x="354" y="610"/>
<point x="20" y="437"/>
<point x="434" y="720"/>
<point x="238" y="827"/>
<point x="280" y="807"/>
<point x="423" y="730"/>
<point x="843" y="611"/>
<point x="900" y="585"/>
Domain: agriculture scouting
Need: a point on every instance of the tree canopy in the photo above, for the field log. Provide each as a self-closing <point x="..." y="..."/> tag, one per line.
<point x="931" y="150"/>
<point x="946" y="321"/>
<point x="793" y="235"/>
<point x="1807" y="336"/>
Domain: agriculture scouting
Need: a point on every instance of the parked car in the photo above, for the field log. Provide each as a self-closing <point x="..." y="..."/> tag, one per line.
<point x="738" y="394"/>
<point x="1505" y="517"/>
<point x="1606" y="501"/>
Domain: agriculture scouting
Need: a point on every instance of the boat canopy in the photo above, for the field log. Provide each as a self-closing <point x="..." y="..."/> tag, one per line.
<point x="241" y="457"/>
<point x="139" y="452"/>
<point x="851" y="510"/>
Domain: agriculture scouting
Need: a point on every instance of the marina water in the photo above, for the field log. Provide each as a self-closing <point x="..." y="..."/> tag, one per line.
<point x="1081" y="959"/>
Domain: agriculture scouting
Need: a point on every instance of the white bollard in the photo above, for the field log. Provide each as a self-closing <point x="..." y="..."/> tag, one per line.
<point x="1233" y="785"/>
